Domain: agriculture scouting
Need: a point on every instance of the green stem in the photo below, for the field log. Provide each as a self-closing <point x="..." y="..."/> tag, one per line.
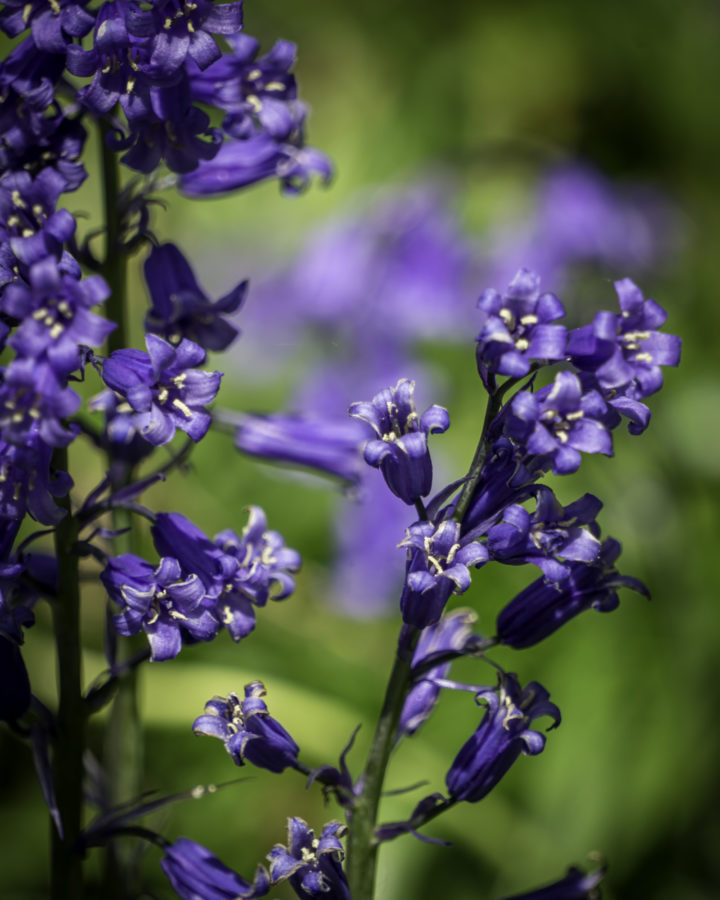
<point x="362" y="848"/>
<point x="123" y="755"/>
<point x="67" y="877"/>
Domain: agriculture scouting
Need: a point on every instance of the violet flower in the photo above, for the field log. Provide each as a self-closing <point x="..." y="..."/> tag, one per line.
<point x="163" y="388"/>
<point x="249" y="732"/>
<point x="543" y="607"/>
<point x="400" y="450"/>
<point x="27" y="482"/>
<point x="515" y="327"/>
<point x="179" y="307"/>
<point x="163" y="602"/>
<point x="196" y="874"/>
<point x="503" y="734"/>
<point x="576" y="885"/>
<point x="438" y="565"/>
<point x="54" y="25"/>
<point x="313" y="866"/>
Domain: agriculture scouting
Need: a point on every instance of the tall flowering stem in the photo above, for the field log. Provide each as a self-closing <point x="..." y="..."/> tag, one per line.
<point x="67" y="878"/>
<point x="362" y="846"/>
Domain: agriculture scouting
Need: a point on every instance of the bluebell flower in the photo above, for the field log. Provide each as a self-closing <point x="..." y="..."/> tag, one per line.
<point x="14" y="681"/>
<point x="196" y="874"/>
<point x="33" y="399"/>
<point x="438" y="566"/>
<point x="313" y="866"/>
<point x="175" y="535"/>
<point x="53" y="25"/>
<point x="451" y="636"/>
<point x="502" y="735"/>
<point x="626" y="348"/>
<point x="551" y="531"/>
<point x="543" y="607"/>
<point x="55" y="317"/>
<point x="179" y="307"/>
<point x="560" y="421"/>
<point x="163" y="602"/>
<point x="27" y="482"/>
<point x="322" y="444"/>
<point x="517" y="326"/>
<point x="249" y="732"/>
<point x="163" y="388"/>
<point x="576" y="885"/>
<point x="239" y="163"/>
<point x="400" y="450"/>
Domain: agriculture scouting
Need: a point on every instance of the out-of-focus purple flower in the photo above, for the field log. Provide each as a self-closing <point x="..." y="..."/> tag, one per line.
<point x="438" y="565"/>
<point x="551" y="531"/>
<point x="325" y="445"/>
<point x="560" y="421"/>
<point x="178" y="31"/>
<point x="53" y="25"/>
<point x="195" y="874"/>
<point x="163" y="602"/>
<point x="34" y="400"/>
<point x="180" y="309"/>
<point x="313" y="866"/>
<point x="543" y="607"/>
<point x="503" y="734"/>
<point x="249" y="732"/>
<point x="451" y="635"/>
<point x="624" y="351"/>
<point x="240" y="163"/>
<point x="14" y="681"/>
<point x="55" y="317"/>
<point x="258" y="93"/>
<point x="516" y="327"/>
<point x="27" y="483"/>
<point x="400" y="450"/>
<point x="576" y="885"/>
<point x="163" y="388"/>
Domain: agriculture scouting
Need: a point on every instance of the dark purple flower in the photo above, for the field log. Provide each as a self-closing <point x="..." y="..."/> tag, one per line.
<point x="174" y="535"/>
<point x="180" y="309"/>
<point x="55" y="317"/>
<point x="576" y="885"/>
<point x="249" y="732"/>
<point x="551" y="531"/>
<point x="163" y="602"/>
<point x="451" y="636"/>
<point x="438" y="566"/>
<point x="241" y="163"/>
<point x="195" y="874"/>
<point x="326" y="445"/>
<point x="53" y="25"/>
<point x="163" y="388"/>
<point x="560" y="421"/>
<point x="400" y="450"/>
<point x="515" y="327"/>
<point x="34" y="400"/>
<point x="256" y="567"/>
<point x="313" y="866"/>
<point x="543" y="607"/>
<point x="27" y="483"/>
<point x="502" y="735"/>
<point x="177" y="30"/>
<point x="626" y="348"/>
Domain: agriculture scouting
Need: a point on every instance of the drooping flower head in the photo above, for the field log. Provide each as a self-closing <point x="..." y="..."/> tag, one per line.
<point x="576" y="885"/>
<point x="502" y="735"/>
<point x="438" y="565"/>
<point x="543" y="607"/>
<point x="249" y="732"/>
<point x="313" y="866"/>
<point x="400" y="450"/>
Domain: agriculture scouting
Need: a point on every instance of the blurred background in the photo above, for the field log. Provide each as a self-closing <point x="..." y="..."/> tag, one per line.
<point x="469" y="140"/>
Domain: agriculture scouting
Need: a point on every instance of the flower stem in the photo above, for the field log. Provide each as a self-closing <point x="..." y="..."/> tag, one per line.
<point x="67" y="877"/>
<point x="123" y="755"/>
<point x="362" y="848"/>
